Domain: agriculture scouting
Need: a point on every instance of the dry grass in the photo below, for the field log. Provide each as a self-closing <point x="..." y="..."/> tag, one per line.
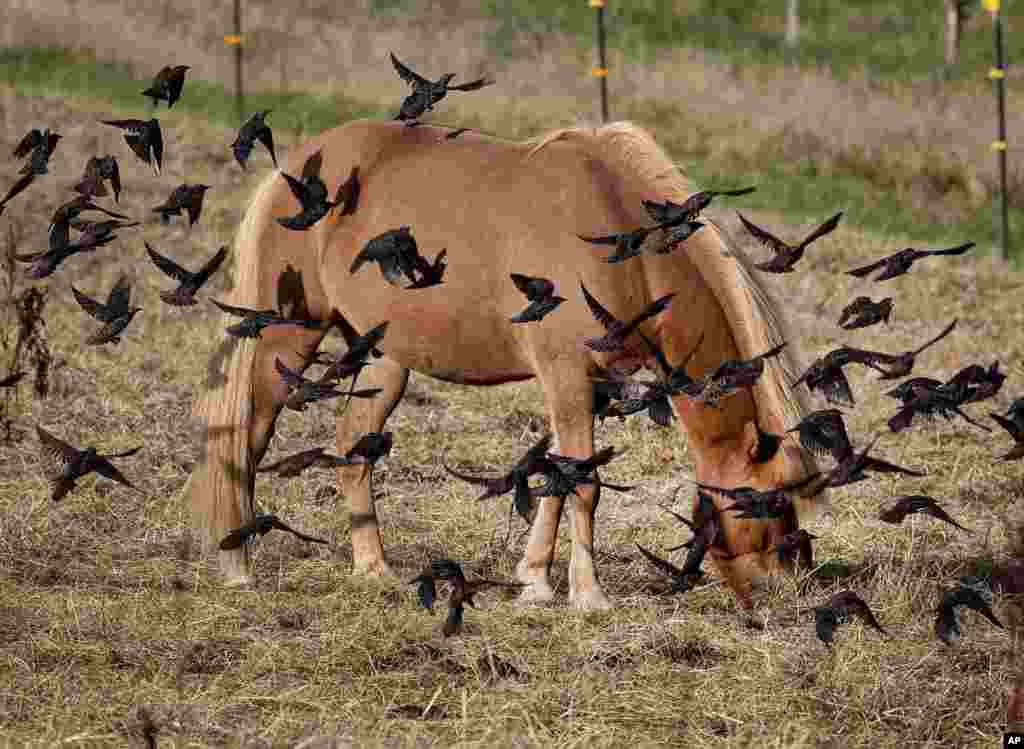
<point x="107" y="607"/>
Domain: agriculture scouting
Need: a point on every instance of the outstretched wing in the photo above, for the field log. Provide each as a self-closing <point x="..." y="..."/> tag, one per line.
<point x="120" y="296"/>
<point x="242" y="311"/>
<point x="610" y="239"/>
<point x="662" y="565"/>
<point x="94" y="308"/>
<point x="23" y="182"/>
<point x="312" y="166"/>
<point x="291" y="378"/>
<point x="406" y="74"/>
<point x="473" y="85"/>
<point x="958" y="250"/>
<point x="25" y="146"/>
<point x="766" y="238"/>
<point x="867" y="269"/>
<point x="54" y="448"/>
<point x="168" y="266"/>
<point x="600" y="314"/>
<point x="211" y="266"/>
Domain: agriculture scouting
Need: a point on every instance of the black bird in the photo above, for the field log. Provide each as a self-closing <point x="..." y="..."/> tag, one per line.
<point x="707" y="532"/>
<point x="928" y="400"/>
<point x="302" y="391"/>
<point x="754" y="503"/>
<point x="784" y="255"/>
<point x="516" y="480"/>
<point x="626" y="245"/>
<point x="795" y="546"/>
<point x="115" y="314"/>
<point x="730" y="377"/>
<point x="900" y="365"/>
<point x="144" y="138"/>
<point x="838" y="611"/>
<point x="185" y="197"/>
<point x="904" y="392"/>
<point x="456" y="133"/>
<point x="899" y="263"/>
<point x="425" y="94"/>
<point x="1015" y="428"/>
<point x="669" y="214"/>
<point x="973" y="593"/>
<point x="167" y="85"/>
<point x="917" y="504"/>
<point x="562" y="474"/>
<point x="824" y="433"/>
<point x="97" y="171"/>
<point x="540" y="293"/>
<point x="188" y="282"/>
<point x="852" y="467"/>
<point x="426" y="590"/>
<point x="862" y="313"/>
<point x="17" y="188"/>
<point x="261" y="525"/>
<point x="981" y="383"/>
<point x="295" y="464"/>
<point x="360" y="347"/>
<point x="617" y="331"/>
<point x="75" y="463"/>
<point x="311" y="192"/>
<point x="430" y="273"/>
<point x="397" y="253"/>
<point x="255" y="129"/>
<point x="462" y="591"/>
<point x="682" y="580"/>
<point x="371" y="447"/>
<point x="40" y="144"/>
<point x="43" y="264"/>
<point x="254" y="321"/>
<point x="826" y="375"/>
<point x="59" y="230"/>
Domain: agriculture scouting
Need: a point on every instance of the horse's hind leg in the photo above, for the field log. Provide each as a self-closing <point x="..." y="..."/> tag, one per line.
<point x="364" y="415"/>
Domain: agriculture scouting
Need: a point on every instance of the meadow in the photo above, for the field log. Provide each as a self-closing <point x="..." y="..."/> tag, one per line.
<point x="108" y="605"/>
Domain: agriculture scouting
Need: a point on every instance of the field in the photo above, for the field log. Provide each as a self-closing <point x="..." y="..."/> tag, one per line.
<point x="108" y="606"/>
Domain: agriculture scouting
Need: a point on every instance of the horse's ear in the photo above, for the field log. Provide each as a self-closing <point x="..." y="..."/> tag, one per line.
<point x="761" y="446"/>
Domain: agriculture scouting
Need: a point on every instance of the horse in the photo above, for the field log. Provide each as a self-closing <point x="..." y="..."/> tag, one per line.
<point x="498" y="207"/>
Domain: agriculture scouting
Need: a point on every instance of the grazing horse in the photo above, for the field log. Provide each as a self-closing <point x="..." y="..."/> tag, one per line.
<point x="500" y="207"/>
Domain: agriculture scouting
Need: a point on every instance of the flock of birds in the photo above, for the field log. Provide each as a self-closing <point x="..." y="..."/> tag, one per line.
<point x="615" y="393"/>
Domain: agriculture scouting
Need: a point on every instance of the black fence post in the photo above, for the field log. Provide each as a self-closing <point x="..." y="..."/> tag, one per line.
<point x="235" y="40"/>
<point x="998" y="75"/>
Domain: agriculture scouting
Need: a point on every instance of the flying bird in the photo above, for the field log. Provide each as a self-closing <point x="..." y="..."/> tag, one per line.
<point x="16" y="189"/>
<point x="370" y="448"/>
<point x="167" y="85"/>
<point x="254" y="321"/>
<point x="430" y="273"/>
<point x="462" y="591"/>
<point x="981" y="383"/>
<point x="917" y="504"/>
<point x="900" y="365"/>
<point x="98" y="171"/>
<point x="754" y="503"/>
<point x="617" y="331"/>
<point x="185" y="197"/>
<point x="795" y="547"/>
<point x="825" y="374"/>
<point x="899" y="263"/>
<point x="562" y="474"/>
<point x="360" y="347"/>
<point x="261" y="525"/>
<point x="785" y="256"/>
<point x="929" y="400"/>
<point x="116" y="314"/>
<point x="730" y="377"/>
<point x="838" y="611"/>
<point x="516" y="480"/>
<point x="669" y="214"/>
<point x="295" y="464"/>
<point x="540" y="293"/>
<point x="75" y="463"/>
<point x="188" y="282"/>
<point x="425" y="94"/>
<point x="862" y="313"/>
<point x="396" y="252"/>
<point x="311" y="192"/>
<point x="254" y="129"/>
<point x="303" y="391"/>
<point x="973" y="593"/>
<point x="1015" y="428"/>
<point x="852" y="467"/>
<point x="682" y="580"/>
<point x="39" y="145"/>
<point x="707" y="532"/>
<point x="144" y="138"/>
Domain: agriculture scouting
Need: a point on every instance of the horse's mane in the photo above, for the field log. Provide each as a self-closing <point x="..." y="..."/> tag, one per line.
<point x="753" y="315"/>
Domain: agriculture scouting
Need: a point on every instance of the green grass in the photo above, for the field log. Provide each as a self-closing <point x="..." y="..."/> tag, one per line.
<point x="886" y="38"/>
<point x="884" y="199"/>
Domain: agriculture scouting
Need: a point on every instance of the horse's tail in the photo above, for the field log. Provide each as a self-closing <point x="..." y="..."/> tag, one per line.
<point x="220" y="490"/>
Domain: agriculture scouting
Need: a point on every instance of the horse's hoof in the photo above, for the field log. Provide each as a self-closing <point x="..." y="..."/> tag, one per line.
<point x="591" y="599"/>
<point x="535" y="593"/>
<point x="380" y="569"/>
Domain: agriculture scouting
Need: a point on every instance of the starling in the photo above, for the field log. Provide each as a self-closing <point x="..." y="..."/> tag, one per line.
<point x="303" y="391"/>
<point x="753" y="503"/>
<point x="838" y="611"/>
<point x="185" y="197"/>
<point x="826" y="372"/>
<point x="917" y="504"/>
<point x="116" y="314"/>
<point x="261" y="525"/>
<point x="562" y="474"/>
<point x="540" y="293"/>
<point x="370" y="448"/>
<point x="359" y="349"/>
<point x="899" y="263"/>
<point x="682" y="580"/>
<point x="862" y="313"/>
<point x="786" y="255"/>
<point x="973" y="593"/>
<point x="462" y="591"/>
<point x="900" y="365"/>
<point x="75" y="463"/>
<point x="97" y="171"/>
<point x="425" y="94"/>
<point x="626" y="245"/>
<point x="795" y="546"/>
<point x="617" y="331"/>
<point x="669" y="214"/>
<point x="167" y="85"/>
<point x="255" y="129"/>
<point x="430" y="273"/>
<point x="707" y="532"/>
<point x="850" y="469"/>
<point x="515" y="480"/>
<point x="144" y="138"/>
<point x="397" y="253"/>
<point x="59" y="230"/>
<point x="40" y="145"/>
<point x="730" y="377"/>
<point x="930" y="401"/>
<point x="188" y="282"/>
<point x="254" y="321"/>
<point x="981" y="383"/>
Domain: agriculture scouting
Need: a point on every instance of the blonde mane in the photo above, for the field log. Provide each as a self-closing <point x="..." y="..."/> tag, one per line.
<point x="753" y="315"/>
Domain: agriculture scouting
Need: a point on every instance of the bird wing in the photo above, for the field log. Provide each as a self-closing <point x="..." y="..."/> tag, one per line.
<point x="312" y="166"/>
<point x="281" y="525"/>
<point x="660" y="212"/>
<point x="23" y="182"/>
<point x="266" y="137"/>
<point x="168" y="266"/>
<point x="654" y="308"/>
<point x="1015" y="429"/>
<point x="348" y="193"/>
<point x="613" y="239"/>
<point x="946" y="331"/>
<point x="298" y="189"/>
<point x="25" y="146"/>
<point x="958" y="250"/>
<point x="406" y="74"/>
<point x="115" y="178"/>
<point x="473" y="85"/>
<point x="865" y="270"/>
<point x="55" y="448"/>
<point x="826" y="228"/>
<point x="662" y="565"/>
<point x="600" y="314"/>
<point x="242" y="311"/>
<point x="120" y="296"/>
<point x="766" y="238"/>
<point x="211" y="266"/>
<point x="291" y="378"/>
<point x="105" y="468"/>
<point x="94" y="308"/>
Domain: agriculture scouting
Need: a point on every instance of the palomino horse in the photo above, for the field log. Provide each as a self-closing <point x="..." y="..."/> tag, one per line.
<point x="500" y="207"/>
